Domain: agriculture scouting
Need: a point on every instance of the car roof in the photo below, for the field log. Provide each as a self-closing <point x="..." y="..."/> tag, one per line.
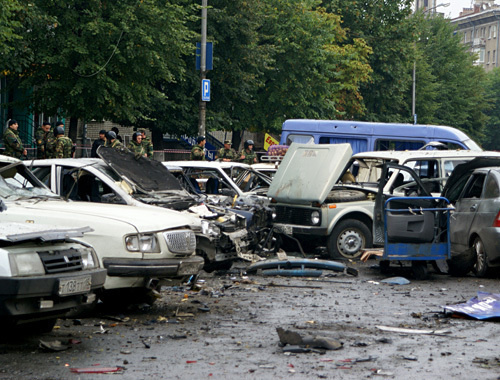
<point x="403" y="156"/>
<point x="75" y="162"/>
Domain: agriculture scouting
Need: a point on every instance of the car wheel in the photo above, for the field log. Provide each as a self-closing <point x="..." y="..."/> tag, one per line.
<point x="345" y="196"/>
<point x="481" y="265"/>
<point x="420" y="271"/>
<point x="348" y="239"/>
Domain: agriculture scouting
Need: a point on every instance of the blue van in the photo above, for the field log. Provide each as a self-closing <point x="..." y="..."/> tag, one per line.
<point x="368" y="136"/>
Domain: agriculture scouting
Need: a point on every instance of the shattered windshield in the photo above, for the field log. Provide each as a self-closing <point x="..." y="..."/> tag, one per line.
<point x="16" y="182"/>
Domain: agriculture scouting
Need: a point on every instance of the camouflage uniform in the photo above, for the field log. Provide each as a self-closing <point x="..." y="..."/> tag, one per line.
<point x="63" y="148"/>
<point x="148" y="146"/>
<point x="50" y="145"/>
<point x="227" y="153"/>
<point x="115" y="144"/>
<point x="137" y="149"/>
<point x="13" y="144"/>
<point x="41" y="141"/>
<point x="249" y="157"/>
<point x="197" y="153"/>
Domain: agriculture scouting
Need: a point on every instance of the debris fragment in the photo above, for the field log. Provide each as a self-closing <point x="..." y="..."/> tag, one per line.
<point x="96" y="369"/>
<point x="292" y="338"/>
<point x="56" y="345"/>
<point x="413" y="331"/>
<point x="396" y="281"/>
<point x="483" y="306"/>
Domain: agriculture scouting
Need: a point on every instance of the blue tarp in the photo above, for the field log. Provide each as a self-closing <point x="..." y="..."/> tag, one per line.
<point x="484" y="306"/>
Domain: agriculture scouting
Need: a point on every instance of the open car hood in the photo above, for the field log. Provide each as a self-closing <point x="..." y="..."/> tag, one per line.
<point x="308" y="172"/>
<point x="465" y="169"/>
<point x="143" y="173"/>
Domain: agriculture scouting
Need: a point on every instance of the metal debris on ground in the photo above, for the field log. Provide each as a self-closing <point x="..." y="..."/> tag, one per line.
<point x="55" y="345"/>
<point x="395" y="281"/>
<point x="292" y="341"/>
<point x="483" y="306"/>
<point x="401" y="330"/>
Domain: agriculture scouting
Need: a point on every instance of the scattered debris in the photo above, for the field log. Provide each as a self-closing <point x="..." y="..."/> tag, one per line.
<point x="483" y="306"/>
<point x="396" y="281"/>
<point x="291" y="339"/>
<point x="414" y="331"/>
<point x="299" y="267"/>
<point x="97" y="369"/>
<point x="56" y="345"/>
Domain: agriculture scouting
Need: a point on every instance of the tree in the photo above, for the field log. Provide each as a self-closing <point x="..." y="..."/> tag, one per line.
<point x="8" y="25"/>
<point x="450" y="90"/>
<point x="491" y="139"/>
<point x="385" y="26"/>
<point x="101" y="59"/>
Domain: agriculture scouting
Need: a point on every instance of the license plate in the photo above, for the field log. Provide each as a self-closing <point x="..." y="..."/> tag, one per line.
<point x="284" y="229"/>
<point x="186" y="269"/>
<point x="74" y="285"/>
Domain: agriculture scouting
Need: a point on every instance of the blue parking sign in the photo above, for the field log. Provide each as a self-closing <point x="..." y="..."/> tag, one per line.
<point x="205" y="90"/>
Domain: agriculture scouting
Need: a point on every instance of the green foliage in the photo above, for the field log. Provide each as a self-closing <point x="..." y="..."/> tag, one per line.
<point x="8" y="25"/>
<point x="100" y="59"/>
<point x="449" y="88"/>
<point x="385" y="26"/>
<point x="491" y="140"/>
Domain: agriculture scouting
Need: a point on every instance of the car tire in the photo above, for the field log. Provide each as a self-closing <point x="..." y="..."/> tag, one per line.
<point x="420" y="270"/>
<point x="481" y="267"/>
<point x="348" y="239"/>
<point x="345" y="196"/>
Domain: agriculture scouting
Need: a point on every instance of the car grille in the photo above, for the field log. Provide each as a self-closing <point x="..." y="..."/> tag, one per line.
<point x="67" y="260"/>
<point x="180" y="241"/>
<point x="293" y="215"/>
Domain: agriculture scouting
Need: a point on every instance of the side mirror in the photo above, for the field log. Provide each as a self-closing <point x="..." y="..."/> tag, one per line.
<point x="112" y="198"/>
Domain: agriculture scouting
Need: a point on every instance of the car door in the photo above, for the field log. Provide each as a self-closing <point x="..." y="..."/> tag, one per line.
<point x="466" y="207"/>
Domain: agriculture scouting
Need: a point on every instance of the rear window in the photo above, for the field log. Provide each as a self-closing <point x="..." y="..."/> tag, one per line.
<point x="398" y="144"/>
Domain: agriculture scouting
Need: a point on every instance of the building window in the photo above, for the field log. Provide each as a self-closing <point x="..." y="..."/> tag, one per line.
<point x="489" y="32"/>
<point x="480" y="56"/>
<point x="465" y="37"/>
<point x="494" y="31"/>
<point x="488" y="60"/>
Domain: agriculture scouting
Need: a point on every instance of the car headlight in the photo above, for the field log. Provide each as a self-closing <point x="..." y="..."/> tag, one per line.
<point x="26" y="264"/>
<point x="142" y="243"/>
<point x="89" y="260"/>
<point x="315" y="218"/>
<point x="209" y="228"/>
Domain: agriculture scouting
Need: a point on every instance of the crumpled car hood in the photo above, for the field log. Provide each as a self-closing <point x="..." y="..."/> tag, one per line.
<point x="18" y="232"/>
<point x="308" y="172"/>
<point x="145" y="174"/>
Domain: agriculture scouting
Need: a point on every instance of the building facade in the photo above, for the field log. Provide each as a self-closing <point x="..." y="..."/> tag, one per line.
<point x="478" y="28"/>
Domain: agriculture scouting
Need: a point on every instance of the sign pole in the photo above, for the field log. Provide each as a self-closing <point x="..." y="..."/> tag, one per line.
<point x="203" y="67"/>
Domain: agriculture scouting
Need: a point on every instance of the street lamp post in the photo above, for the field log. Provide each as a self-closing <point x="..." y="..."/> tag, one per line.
<point x="413" y="99"/>
<point x="203" y="66"/>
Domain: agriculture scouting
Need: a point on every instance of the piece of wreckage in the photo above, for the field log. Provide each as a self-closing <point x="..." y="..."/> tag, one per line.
<point x="299" y="267"/>
<point x="227" y="235"/>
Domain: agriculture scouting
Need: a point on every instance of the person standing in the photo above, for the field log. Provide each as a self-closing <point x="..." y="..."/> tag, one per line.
<point x="147" y="144"/>
<point x="63" y="145"/>
<point x="41" y="135"/>
<point x="97" y="143"/>
<point x="248" y="155"/>
<point x="118" y="137"/>
<point x="198" y="151"/>
<point x="226" y="154"/>
<point x="12" y="141"/>
<point x="112" y="141"/>
<point x="50" y="144"/>
<point x="136" y="146"/>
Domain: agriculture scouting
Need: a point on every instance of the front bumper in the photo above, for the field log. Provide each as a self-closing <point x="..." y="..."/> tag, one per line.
<point x="289" y="229"/>
<point x="159" y="268"/>
<point x="21" y="297"/>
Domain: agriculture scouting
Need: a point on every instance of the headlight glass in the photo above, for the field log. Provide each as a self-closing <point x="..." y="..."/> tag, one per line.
<point x="26" y="264"/>
<point x="315" y="218"/>
<point x="209" y="228"/>
<point x="142" y="243"/>
<point x="89" y="260"/>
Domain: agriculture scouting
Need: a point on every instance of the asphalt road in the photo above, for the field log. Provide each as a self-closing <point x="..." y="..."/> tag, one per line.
<point x="226" y="329"/>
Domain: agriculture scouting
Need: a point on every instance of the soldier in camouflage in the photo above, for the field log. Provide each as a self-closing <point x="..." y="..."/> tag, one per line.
<point x="147" y="144"/>
<point x="12" y="141"/>
<point x="41" y="135"/>
<point x="226" y="154"/>
<point x="198" y="151"/>
<point x="136" y="146"/>
<point x="112" y="141"/>
<point x="248" y="155"/>
<point x="63" y="145"/>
